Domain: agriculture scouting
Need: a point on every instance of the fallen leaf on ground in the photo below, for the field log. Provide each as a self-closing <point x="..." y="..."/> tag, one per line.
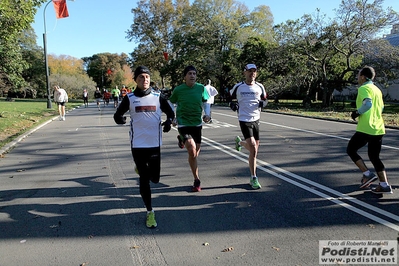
<point x="276" y="248"/>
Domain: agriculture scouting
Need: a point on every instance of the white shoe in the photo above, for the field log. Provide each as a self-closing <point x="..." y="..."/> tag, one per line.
<point x="60" y="118"/>
<point x="63" y="118"/>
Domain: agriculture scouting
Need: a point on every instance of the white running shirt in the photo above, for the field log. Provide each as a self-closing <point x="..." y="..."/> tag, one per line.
<point x="146" y="131"/>
<point x="248" y="98"/>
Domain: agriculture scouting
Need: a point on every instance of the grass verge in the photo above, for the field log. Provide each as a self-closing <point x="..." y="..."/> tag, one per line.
<point x="21" y="115"/>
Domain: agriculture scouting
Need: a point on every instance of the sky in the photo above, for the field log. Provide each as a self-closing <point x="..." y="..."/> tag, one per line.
<point x="99" y="26"/>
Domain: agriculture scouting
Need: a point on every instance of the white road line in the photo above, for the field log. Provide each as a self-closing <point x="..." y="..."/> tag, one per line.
<point x="337" y="200"/>
<point x="307" y="131"/>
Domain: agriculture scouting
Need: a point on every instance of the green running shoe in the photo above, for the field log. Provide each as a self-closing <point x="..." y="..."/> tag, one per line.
<point x="151" y="223"/>
<point x="238" y="146"/>
<point x="255" y="183"/>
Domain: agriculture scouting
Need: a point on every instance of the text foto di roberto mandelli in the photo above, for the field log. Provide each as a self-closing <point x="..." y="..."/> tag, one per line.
<point x="358" y="251"/>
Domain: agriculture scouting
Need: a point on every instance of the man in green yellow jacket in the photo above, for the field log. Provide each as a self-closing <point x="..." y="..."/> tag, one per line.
<point x="370" y="130"/>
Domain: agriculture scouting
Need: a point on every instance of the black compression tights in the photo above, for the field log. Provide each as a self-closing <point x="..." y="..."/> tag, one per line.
<point x="358" y="141"/>
<point x="148" y="163"/>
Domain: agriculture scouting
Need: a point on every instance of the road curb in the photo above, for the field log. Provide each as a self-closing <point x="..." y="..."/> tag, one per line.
<point x="9" y="146"/>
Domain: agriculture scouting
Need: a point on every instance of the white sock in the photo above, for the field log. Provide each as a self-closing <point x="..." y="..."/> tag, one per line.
<point x="384" y="184"/>
<point x="367" y="173"/>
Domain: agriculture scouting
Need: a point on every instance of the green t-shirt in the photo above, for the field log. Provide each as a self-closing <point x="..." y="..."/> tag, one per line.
<point x="189" y="102"/>
<point x="115" y="92"/>
<point x="370" y="122"/>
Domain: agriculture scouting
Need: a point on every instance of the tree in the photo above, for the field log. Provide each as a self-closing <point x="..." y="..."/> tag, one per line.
<point x="384" y="57"/>
<point x="207" y="34"/>
<point x="108" y="70"/>
<point x="357" y="23"/>
<point x="74" y="85"/>
<point x="153" y="27"/>
<point x="261" y="19"/>
<point x="68" y="73"/>
<point x="34" y="74"/>
<point x="336" y="46"/>
<point x="15" y="16"/>
<point x="65" y="64"/>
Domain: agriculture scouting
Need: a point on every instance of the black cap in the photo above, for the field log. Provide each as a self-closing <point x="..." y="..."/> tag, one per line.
<point x="189" y="68"/>
<point x="140" y="70"/>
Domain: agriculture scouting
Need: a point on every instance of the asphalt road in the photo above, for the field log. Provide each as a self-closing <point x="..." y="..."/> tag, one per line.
<point x="69" y="195"/>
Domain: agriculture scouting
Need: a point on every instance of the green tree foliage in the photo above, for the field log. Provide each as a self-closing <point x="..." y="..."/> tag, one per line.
<point x="34" y="74"/>
<point x="108" y="70"/>
<point x="207" y="33"/>
<point x="154" y="24"/>
<point x="334" y="49"/>
<point x="384" y="57"/>
<point x="210" y="35"/>
<point x="74" y="84"/>
<point x="15" y="16"/>
<point x="357" y="23"/>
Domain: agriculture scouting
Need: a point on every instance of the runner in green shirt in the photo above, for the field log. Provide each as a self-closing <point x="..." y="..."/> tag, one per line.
<point x="370" y="130"/>
<point x="189" y="98"/>
<point x="115" y="92"/>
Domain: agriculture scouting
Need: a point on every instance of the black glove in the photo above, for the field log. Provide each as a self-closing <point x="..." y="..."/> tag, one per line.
<point x="167" y="125"/>
<point x="120" y="120"/>
<point x="354" y="115"/>
<point x="234" y="106"/>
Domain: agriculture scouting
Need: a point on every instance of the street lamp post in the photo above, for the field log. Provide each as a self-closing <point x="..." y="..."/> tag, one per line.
<point x="45" y="57"/>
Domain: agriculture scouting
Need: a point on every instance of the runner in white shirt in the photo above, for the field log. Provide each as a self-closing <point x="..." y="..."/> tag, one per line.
<point x="145" y="107"/>
<point x="61" y="98"/>
<point x="212" y="92"/>
<point x="251" y="97"/>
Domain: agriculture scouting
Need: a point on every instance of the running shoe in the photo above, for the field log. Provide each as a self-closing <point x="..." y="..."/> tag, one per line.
<point x="238" y="146"/>
<point x="367" y="180"/>
<point x="382" y="190"/>
<point x="151" y="223"/>
<point x="197" y="186"/>
<point x="255" y="183"/>
<point x="181" y="143"/>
